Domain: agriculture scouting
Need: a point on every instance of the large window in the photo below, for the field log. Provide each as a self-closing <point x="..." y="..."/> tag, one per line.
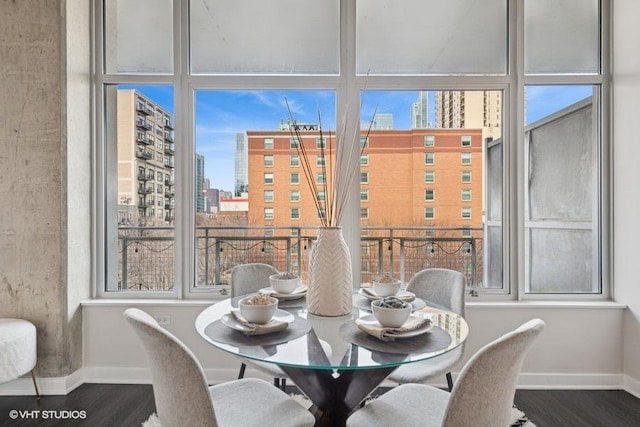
<point x="502" y="100"/>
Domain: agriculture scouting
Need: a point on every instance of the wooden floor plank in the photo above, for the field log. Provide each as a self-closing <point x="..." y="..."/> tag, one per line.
<point x="115" y="405"/>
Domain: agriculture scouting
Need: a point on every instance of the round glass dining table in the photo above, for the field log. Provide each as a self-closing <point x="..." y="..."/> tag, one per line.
<point x="334" y="363"/>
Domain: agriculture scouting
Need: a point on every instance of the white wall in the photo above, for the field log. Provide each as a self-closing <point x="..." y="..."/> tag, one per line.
<point x="626" y="154"/>
<point x="581" y="346"/>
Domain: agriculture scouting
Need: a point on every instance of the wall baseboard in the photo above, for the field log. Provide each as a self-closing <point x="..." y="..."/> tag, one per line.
<point x="632" y="386"/>
<point x="107" y="375"/>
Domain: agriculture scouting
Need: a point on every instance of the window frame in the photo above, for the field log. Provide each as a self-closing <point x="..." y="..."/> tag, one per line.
<point x="347" y="85"/>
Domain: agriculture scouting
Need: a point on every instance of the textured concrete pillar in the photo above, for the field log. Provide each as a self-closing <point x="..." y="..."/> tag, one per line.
<point x="35" y="238"/>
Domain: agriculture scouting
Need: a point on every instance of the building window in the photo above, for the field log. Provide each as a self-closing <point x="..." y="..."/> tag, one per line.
<point x="322" y="213"/>
<point x="268" y="213"/>
<point x="294" y="178"/>
<point x="466" y="177"/>
<point x="320" y="178"/>
<point x="319" y="161"/>
<point x="268" y="143"/>
<point x="364" y="143"/>
<point x="466" y="213"/>
<point x="429" y="158"/>
<point x="268" y="178"/>
<point x="465" y="195"/>
<point x="465" y="158"/>
<point x="320" y="143"/>
<point x="364" y="195"/>
<point x="466" y="231"/>
<point x="294" y="143"/>
<point x="429" y="195"/>
<point x="465" y="140"/>
<point x="268" y="161"/>
<point x="429" y="177"/>
<point x="294" y="160"/>
<point x="429" y="213"/>
<point x="295" y="213"/>
<point x="364" y="160"/>
<point x="268" y="196"/>
<point x="321" y="196"/>
<point x="294" y="195"/>
<point x="429" y="140"/>
<point x="364" y="177"/>
<point x="364" y="213"/>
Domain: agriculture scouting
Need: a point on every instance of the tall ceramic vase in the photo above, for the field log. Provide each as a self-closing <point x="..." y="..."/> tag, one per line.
<point x="330" y="285"/>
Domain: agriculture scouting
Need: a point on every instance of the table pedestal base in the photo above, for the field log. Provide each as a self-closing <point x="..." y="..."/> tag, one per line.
<point x="335" y="397"/>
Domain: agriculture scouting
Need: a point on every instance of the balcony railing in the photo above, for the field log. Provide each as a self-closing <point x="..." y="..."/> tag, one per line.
<point x="147" y="253"/>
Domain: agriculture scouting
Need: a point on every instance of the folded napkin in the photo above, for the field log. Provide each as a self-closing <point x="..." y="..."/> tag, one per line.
<point x="300" y="290"/>
<point x="272" y="325"/>
<point x="389" y="334"/>
<point x="405" y="296"/>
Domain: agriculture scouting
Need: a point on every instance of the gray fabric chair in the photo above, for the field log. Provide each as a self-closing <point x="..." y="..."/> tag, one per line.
<point x="445" y="288"/>
<point x="183" y="397"/>
<point x="482" y="396"/>
<point x="247" y="279"/>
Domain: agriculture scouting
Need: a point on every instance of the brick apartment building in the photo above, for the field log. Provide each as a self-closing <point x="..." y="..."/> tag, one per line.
<point x="419" y="177"/>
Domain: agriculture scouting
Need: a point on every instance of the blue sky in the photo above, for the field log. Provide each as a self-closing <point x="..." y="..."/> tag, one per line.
<point x="219" y="115"/>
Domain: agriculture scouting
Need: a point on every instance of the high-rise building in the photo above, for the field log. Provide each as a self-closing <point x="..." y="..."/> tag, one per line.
<point x="241" y="174"/>
<point x="470" y="110"/>
<point x="420" y="111"/>
<point x="199" y="184"/>
<point x="146" y="150"/>
<point x="381" y="121"/>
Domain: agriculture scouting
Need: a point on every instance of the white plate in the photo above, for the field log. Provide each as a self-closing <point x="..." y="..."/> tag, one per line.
<point x="359" y="301"/>
<point x="370" y="319"/>
<point x="279" y="316"/>
<point x="298" y="293"/>
<point x="402" y="294"/>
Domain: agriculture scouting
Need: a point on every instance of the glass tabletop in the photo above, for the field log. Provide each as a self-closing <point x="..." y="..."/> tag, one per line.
<point x="318" y="342"/>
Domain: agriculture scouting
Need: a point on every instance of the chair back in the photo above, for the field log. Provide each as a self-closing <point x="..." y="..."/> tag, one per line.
<point x="179" y="385"/>
<point x="484" y="391"/>
<point x="248" y="278"/>
<point x="441" y="286"/>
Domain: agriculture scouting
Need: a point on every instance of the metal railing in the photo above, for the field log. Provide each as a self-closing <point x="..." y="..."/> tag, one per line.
<point x="146" y="254"/>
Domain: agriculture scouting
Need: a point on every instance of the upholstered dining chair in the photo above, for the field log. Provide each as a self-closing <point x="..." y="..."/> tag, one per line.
<point x="482" y="396"/>
<point x="183" y="397"/>
<point x="246" y="279"/>
<point x="445" y="288"/>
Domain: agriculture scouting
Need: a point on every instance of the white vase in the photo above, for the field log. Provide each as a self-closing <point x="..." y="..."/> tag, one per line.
<point x="330" y="285"/>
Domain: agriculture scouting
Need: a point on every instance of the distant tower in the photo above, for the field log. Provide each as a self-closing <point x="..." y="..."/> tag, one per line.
<point x="241" y="162"/>
<point x="420" y="112"/>
<point x="199" y="183"/>
<point x="381" y="121"/>
<point x="470" y="109"/>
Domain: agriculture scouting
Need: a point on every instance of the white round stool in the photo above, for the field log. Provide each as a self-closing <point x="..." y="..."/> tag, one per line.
<point x="17" y="350"/>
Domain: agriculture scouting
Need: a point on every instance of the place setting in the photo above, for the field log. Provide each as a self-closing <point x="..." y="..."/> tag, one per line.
<point x="287" y="288"/>
<point x="257" y="320"/>
<point x="380" y="289"/>
<point x="394" y="327"/>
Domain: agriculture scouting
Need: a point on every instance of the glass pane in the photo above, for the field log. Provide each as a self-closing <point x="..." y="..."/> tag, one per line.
<point x="275" y="36"/>
<point x="138" y="36"/>
<point x="561" y="36"/>
<point x="140" y="188"/>
<point x="236" y="223"/>
<point x="431" y="37"/>
<point x="561" y="192"/>
<point x="406" y="229"/>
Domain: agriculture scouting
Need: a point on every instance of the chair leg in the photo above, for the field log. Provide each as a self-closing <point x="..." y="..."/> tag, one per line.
<point x="449" y="381"/>
<point x="283" y="384"/>
<point x="276" y="382"/>
<point x="242" y="368"/>
<point x="35" y="385"/>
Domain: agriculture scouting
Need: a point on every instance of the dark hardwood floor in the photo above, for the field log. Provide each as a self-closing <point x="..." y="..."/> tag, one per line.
<point x="111" y="405"/>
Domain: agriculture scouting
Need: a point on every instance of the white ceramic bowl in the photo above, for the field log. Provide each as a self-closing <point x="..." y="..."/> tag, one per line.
<point x="258" y="313"/>
<point x="384" y="289"/>
<point x="283" y="286"/>
<point x="390" y="317"/>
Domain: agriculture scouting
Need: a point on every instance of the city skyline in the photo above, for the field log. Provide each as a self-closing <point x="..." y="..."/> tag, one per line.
<point x="221" y="114"/>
